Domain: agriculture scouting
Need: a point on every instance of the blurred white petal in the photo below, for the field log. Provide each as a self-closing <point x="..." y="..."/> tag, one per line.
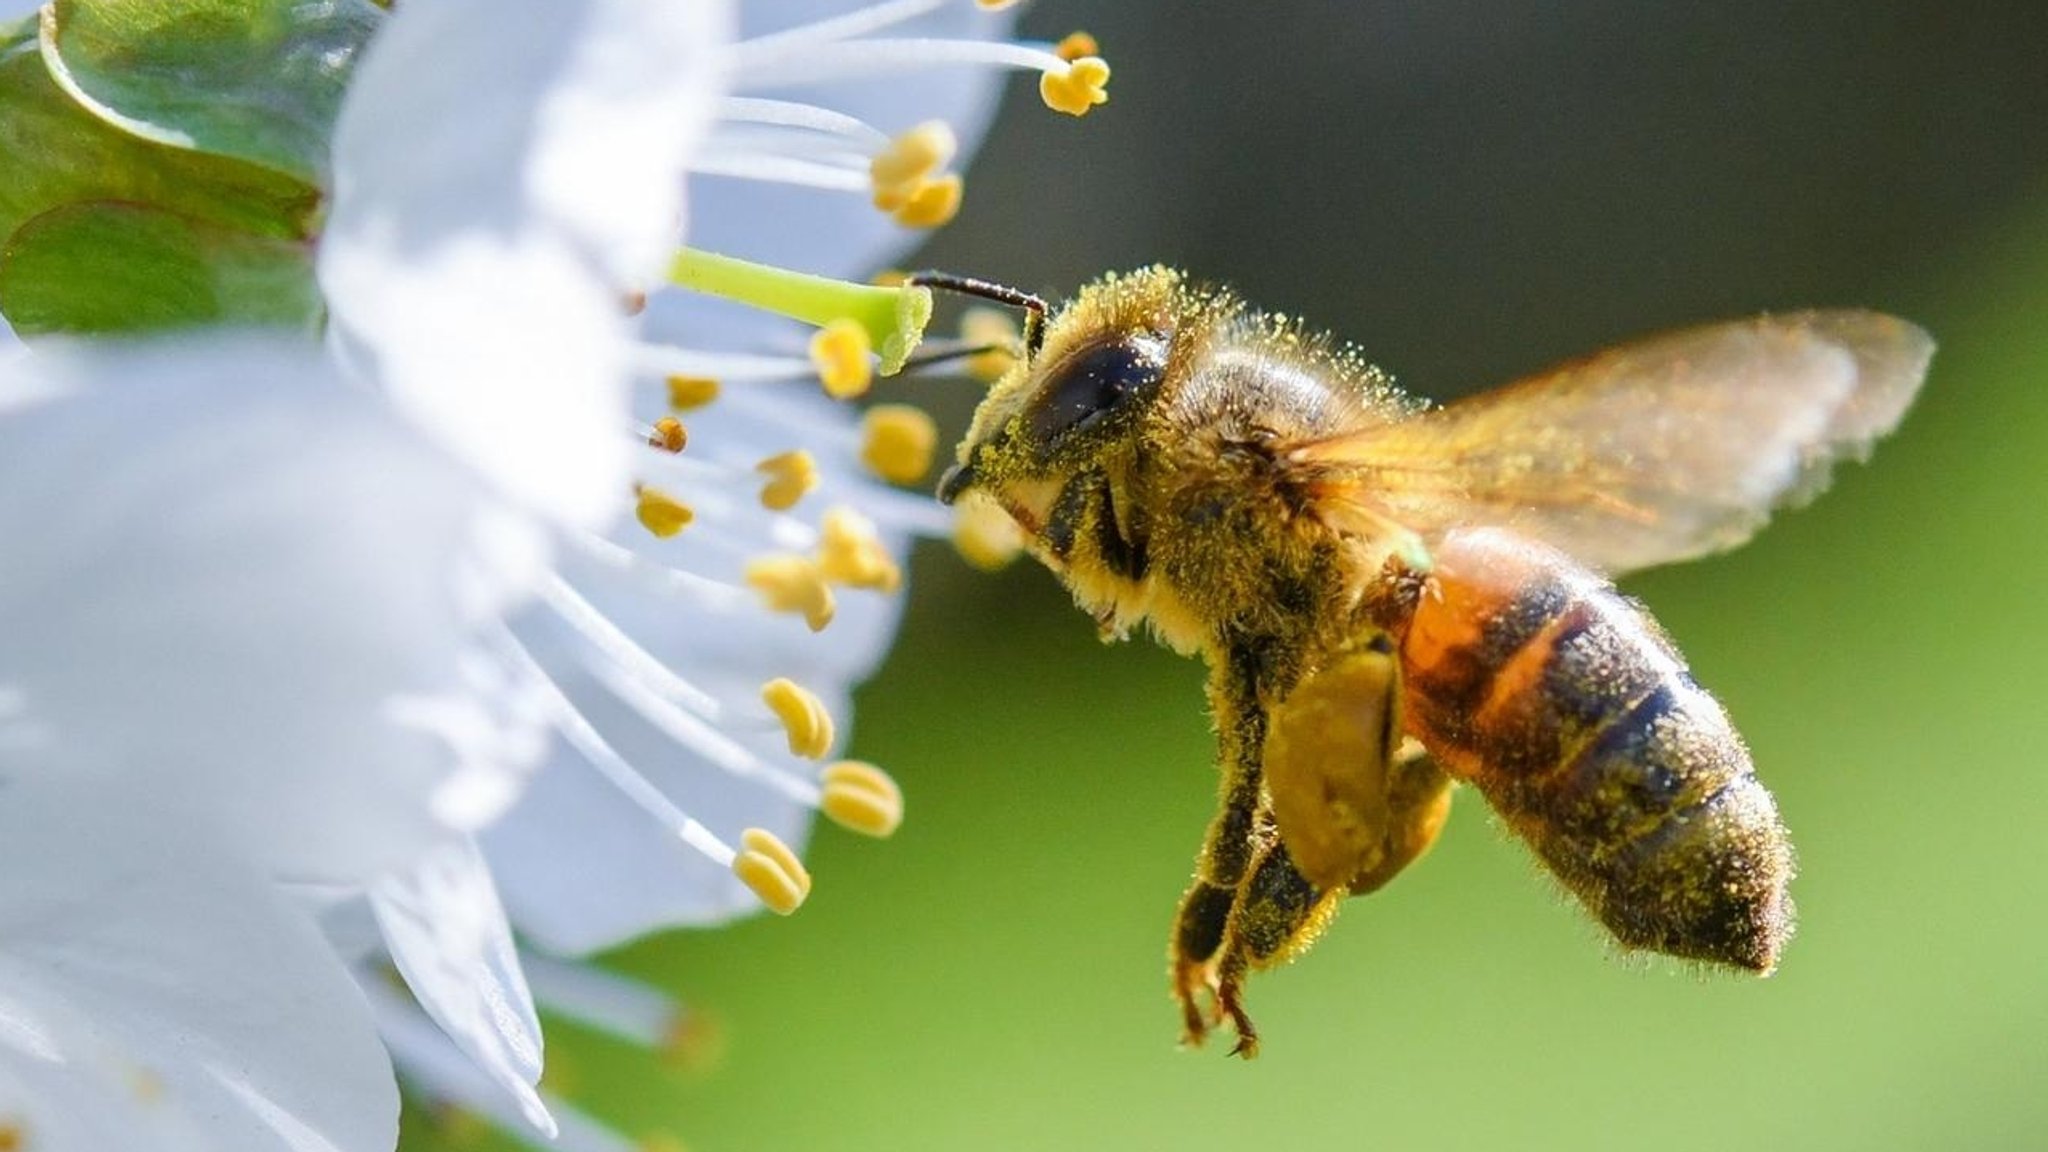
<point x="156" y="993"/>
<point x="505" y="176"/>
<point x="448" y="937"/>
<point x="251" y="565"/>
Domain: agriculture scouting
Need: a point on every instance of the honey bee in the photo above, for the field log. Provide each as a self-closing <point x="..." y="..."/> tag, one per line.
<point x="1393" y="597"/>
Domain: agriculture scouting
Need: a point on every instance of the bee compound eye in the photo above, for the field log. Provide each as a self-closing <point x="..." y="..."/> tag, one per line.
<point x="1091" y="385"/>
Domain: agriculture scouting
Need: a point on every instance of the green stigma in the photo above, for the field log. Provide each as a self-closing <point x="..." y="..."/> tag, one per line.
<point x="893" y="318"/>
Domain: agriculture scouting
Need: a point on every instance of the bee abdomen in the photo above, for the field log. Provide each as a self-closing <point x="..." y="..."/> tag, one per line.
<point x="1535" y="681"/>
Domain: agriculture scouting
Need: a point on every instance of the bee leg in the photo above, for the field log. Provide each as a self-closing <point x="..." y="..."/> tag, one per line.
<point x="1277" y="915"/>
<point x="1228" y="849"/>
<point x="1197" y="933"/>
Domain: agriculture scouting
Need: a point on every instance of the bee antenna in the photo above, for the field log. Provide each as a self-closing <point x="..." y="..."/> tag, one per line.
<point x="1034" y="307"/>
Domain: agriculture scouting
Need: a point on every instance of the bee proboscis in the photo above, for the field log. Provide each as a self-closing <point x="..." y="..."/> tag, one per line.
<point x="1393" y="598"/>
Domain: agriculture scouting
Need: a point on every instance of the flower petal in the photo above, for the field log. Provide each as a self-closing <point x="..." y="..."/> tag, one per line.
<point x="249" y="590"/>
<point x="154" y="988"/>
<point x="447" y="934"/>
<point x="506" y="174"/>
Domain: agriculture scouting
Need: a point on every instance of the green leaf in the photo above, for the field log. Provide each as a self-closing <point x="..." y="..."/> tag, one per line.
<point x="258" y="80"/>
<point x="59" y="156"/>
<point x="111" y="267"/>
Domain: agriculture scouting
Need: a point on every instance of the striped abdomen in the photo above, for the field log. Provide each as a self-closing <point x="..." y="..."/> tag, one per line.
<point x="1535" y="681"/>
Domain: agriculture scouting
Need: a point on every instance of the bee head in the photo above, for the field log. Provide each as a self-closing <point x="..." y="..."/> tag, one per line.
<point x="1080" y="399"/>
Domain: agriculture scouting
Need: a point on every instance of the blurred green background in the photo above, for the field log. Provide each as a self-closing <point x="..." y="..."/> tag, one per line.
<point x="1473" y="189"/>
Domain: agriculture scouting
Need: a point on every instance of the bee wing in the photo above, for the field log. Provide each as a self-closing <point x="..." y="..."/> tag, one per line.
<point x="1660" y="450"/>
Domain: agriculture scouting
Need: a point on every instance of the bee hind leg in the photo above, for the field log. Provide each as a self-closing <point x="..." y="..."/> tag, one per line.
<point x="1228" y="850"/>
<point x="1278" y="914"/>
<point x="1197" y="934"/>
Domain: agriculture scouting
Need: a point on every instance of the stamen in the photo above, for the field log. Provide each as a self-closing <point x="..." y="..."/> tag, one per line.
<point x="715" y="595"/>
<point x="458" y="1127"/>
<point x="793" y="584"/>
<point x="686" y="393"/>
<point x="695" y="1044"/>
<point x="584" y="737"/>
<point x="810" y="117"/>
<point x="669" y="435"/>
<point x="821" y="63"/>
<point x="859" y="22"/>
<point x="909" y="178"/>
<point x="790" y="476"/>
<point x="911" y="159"/>
<point x="933" y="204"/>
<point x="727" y="754"/>
<point x="1077" y="45"/>
<point x="840" y="352"/>
<point x="745" y="367"/>
<point x="766" y="865"/>
<point x="620" y="650"/>
<point x="803" y="717"/>
<point x="722" y="157"/>
<point x="1081" y="86"/>
<point x="626" y="1008"/>
<point x="659" y="512"/>
<point x="862" y="798"/>
<point x="984" y="534"/>
<point x="991" y="329"/>
<point x="851" y="552"/>
<point x="893" y="319"/>
<point x="995" y="5"/>
<point x="897" y="442"/>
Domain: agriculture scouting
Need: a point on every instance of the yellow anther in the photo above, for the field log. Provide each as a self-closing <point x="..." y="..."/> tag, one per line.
<point x="766" y="865"/>
<point x="993" y="329"/>
<point x="1082" y="86"/>
<point x="840" y="352"/>
<point x="985" y="534"/>
<point x="560" y="1076"/>
<point x="1075" y="46"/>
<point x="793" y="584"/>
<point x="850" y="552"/>
<point x="803" y="716"/>
<point x="932" y="204"/>
<point x="911" y="159"/>
<point x="995" y="5"/>
<point x="890" y="278"/>
<point x="693" y="1041"/>
<point x="862" y="798"/>
<point x="897" y="442"/>
<point x="688" y="392"/>
<point x="669" y="435"/>
<point x="455" y="1127"/>
<point x="790" y="475"/>
<point x="659" y="512"/>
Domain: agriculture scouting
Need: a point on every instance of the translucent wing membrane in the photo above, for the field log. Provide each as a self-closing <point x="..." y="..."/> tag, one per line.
<point x="1665" y="449"/>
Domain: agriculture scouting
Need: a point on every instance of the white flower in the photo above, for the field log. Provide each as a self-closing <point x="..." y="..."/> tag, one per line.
<point x="247" y="600"/>
<point x="322" y="616"/>
<point x="230" y="595"/>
